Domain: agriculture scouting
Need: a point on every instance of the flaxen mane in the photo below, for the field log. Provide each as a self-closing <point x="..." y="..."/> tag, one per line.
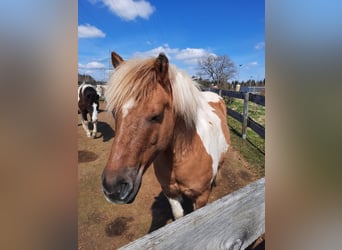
<point x="137" y="78"/>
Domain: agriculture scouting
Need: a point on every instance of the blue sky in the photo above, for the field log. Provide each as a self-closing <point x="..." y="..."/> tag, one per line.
<point x="183" y="30"/>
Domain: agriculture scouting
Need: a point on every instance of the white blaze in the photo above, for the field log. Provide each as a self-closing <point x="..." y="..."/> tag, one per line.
<point x="127" y="106"/>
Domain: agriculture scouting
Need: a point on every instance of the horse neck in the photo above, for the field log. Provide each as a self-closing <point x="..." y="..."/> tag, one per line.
<point x="182" y="137"/>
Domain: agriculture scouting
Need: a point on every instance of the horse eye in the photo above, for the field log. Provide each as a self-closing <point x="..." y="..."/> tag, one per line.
<point x="156" y="118"/>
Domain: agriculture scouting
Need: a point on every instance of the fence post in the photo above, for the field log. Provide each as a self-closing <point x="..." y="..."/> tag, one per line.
<point x="245" y="115"/>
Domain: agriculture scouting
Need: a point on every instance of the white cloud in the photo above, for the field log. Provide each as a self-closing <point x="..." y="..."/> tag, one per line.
<point x="250" y="65"/>
<point x="188" y="55"/>
<point x="129" y="9"/>
<point x="191" y="55"/>
<point x="89" y="31"/>
<point x="156" y="51"/>
<point x="91" y="65"/>
<point x="260" y="45"/>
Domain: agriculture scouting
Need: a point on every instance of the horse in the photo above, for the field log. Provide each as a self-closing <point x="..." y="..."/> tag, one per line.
<point x="100" y="90"/>
<point x="88" y="103"/>
<point x="163" y="118"/>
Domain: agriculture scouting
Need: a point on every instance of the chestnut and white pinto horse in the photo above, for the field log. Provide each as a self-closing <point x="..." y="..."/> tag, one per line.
<point x="163" y="118"/>
<point x="88" y="103"/>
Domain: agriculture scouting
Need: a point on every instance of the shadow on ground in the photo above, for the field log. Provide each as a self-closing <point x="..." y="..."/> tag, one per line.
<point x="105" y="130"/>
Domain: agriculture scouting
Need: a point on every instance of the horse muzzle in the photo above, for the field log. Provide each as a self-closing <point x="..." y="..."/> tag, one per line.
<point x="123" y="187"/>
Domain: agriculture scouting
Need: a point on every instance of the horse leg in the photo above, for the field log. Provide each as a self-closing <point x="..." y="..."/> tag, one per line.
<point x="85" y="123"/>
<point x="176" y="206"/>
<point x="94" y="129"/>
<point x="202" y="199"/>
<point x="94" y="118"/>
<point x="85" y="127"/>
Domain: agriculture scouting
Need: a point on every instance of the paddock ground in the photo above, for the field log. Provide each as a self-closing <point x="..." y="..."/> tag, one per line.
<point x="102" y="225"/>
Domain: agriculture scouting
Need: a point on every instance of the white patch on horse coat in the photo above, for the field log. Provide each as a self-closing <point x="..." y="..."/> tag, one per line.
<point x="209" y="129"/>
<point x="82" y="87"/>
<point x="127" y="106"/>
<point x="176" y="207"/>
<point x="79" y="91"/>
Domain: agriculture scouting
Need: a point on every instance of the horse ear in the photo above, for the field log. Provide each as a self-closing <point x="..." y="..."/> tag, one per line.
<point x="162" y="66"/>
<point x="116" y="59"/>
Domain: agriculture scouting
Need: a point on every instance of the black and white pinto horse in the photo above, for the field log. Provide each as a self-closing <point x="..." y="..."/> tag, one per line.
<point x="88" y="103"/>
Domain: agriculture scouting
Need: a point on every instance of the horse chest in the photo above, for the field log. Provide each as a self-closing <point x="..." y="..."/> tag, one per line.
<point x="188" y="172"/>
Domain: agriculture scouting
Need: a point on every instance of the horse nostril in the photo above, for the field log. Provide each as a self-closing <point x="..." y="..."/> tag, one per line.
<point x="115" y="189"/>
<point x="122" y="190"/>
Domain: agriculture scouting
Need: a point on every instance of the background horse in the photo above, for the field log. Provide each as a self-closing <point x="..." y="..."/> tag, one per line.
<point x="88" y="103"/>
<point x="162" y="117"/>
<point x="100" y="90"/>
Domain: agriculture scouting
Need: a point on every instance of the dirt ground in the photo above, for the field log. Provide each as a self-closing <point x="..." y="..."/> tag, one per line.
<point x="102" y="225"/>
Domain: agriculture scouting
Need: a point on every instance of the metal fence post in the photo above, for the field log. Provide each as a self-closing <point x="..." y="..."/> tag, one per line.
<point x="245" y="115"/>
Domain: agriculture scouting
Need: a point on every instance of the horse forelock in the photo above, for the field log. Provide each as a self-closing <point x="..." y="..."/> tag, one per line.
<point x="135" y="79"/>
<point x="132" y="80"/>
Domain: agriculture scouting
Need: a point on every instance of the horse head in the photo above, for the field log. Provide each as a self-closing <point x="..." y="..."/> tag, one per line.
<point x="141" y="102"/>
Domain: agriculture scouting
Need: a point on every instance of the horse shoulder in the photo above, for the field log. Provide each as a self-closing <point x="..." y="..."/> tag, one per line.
<point x="219" y="106"/>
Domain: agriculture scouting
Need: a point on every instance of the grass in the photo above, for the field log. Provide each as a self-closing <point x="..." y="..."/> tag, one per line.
<point x="253" y="148"/>
<point x="255" y="111"/>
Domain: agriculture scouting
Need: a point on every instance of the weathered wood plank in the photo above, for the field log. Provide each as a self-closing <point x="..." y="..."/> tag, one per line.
<point x="214" y="90"/>
<point x="239" y="95"/>
<point x="236" y="115"/>
<point x="256" y="127"/>
<point x="232" y="222"/>
<point x="258" y="99"/>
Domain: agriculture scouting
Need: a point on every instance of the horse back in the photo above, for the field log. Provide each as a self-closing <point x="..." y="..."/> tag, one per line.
<point x="87" y="95"/>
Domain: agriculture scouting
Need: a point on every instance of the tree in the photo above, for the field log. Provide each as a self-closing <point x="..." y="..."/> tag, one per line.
<point x="203" y="83"/>
<point x="86" y="78"/>
<point x="219" y="69"/>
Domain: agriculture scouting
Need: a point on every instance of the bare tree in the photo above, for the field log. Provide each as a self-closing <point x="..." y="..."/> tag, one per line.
<point x="219" y="69"/>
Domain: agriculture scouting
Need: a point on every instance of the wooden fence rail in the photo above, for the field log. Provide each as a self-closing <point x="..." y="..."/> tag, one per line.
<point x="243" y="118"/>
<point x="232" y="222"/>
